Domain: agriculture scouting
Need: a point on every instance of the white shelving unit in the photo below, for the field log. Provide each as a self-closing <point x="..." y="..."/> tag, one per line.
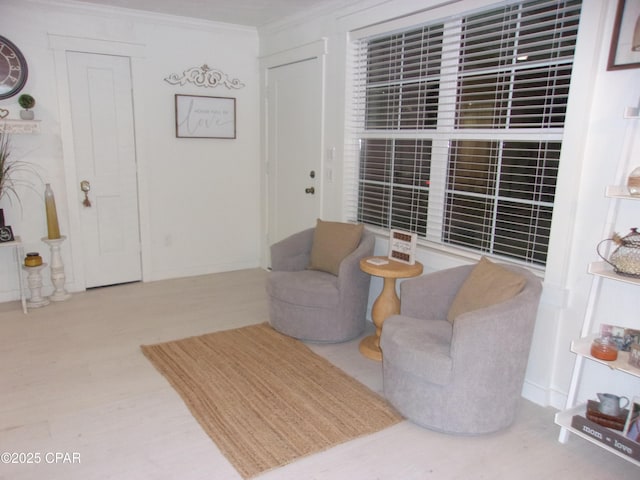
<point x="564" y="419"/>
<point x="620" y="192"/>
<point x="582" y="347"/>
<point x="604" y="270"/>
<point x="16" y="245"/>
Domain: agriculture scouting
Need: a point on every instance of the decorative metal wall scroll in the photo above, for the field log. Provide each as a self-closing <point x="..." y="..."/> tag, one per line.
<point x="204" y="77"/>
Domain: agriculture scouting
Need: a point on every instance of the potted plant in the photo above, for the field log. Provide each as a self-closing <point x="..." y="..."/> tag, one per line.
<point x="27" y="102"/>
<point x="12" y="173"/>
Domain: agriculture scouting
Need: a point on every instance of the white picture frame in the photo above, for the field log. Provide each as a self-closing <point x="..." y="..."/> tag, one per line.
<point x="402" y="246"/>
<point x="199" y="116"/>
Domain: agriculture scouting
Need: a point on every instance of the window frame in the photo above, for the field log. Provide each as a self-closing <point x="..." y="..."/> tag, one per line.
<point x="441" y="137"/>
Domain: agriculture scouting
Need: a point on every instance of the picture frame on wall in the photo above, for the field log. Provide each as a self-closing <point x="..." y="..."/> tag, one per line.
<point x="200" y="116"/>
<point x="625" y="40"/>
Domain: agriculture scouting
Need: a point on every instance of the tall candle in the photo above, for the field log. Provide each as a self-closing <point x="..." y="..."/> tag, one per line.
<point x="52" y="215"/>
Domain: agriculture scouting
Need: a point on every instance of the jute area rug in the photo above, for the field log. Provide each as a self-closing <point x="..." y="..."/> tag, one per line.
<point x="266" y="399"/>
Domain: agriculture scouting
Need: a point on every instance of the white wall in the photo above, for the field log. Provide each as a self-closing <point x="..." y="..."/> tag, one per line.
<point x="199" y="198"/>
<point x="593" y="152"/>
<point x="195" y="192"/>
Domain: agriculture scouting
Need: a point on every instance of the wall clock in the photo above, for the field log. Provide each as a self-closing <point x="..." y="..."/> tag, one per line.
<point x="13" y="69"/>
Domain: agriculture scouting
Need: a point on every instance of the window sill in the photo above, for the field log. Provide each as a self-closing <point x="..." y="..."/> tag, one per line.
<point x="458" y="255"/>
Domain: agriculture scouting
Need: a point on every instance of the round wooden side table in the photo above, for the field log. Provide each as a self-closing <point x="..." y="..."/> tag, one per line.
<point x="387" y="303"/>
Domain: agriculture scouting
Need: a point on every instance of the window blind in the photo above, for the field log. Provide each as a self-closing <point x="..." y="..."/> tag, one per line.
<point x="458" y="126"/>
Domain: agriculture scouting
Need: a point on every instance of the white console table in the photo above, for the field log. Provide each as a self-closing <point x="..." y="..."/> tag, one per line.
<point x="16" y="244"/>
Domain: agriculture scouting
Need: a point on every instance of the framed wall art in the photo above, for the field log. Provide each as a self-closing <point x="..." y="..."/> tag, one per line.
<point x="205" y="117"/>
<point x="625" y="40"/>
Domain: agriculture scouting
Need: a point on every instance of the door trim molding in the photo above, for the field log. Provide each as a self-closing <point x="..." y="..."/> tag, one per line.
<point x="61" y="44"/>
<point x="316" y="49"/>
<point x="95" y="45"/>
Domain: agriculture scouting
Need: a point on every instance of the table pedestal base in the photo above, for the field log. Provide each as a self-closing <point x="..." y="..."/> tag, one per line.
<point x="370" y="347"/>
<point x="388" y="302"/>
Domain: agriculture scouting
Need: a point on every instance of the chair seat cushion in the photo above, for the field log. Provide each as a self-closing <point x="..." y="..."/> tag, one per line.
<point x="309" y="288"/>
<point x="420" y="345"/>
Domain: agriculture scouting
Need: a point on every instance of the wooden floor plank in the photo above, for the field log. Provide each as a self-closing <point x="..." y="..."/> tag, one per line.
<point x="73" y="379"/>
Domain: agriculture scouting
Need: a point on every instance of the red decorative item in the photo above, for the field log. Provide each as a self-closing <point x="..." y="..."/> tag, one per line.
<point x="604" y="348"/>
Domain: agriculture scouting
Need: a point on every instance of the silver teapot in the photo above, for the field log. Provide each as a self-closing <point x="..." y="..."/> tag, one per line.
<point x="625" y="259"/>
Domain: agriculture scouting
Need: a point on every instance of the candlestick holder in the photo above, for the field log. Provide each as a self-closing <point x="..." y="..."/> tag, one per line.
<point x="57" y="269"/>
<point x="34" y="280"/>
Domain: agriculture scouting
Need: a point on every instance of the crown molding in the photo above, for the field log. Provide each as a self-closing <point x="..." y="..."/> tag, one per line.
<point x="84" y="8"/>
<point x="328" y="9"/>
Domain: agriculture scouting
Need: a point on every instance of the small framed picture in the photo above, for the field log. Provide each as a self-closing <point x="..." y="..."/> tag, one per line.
<point x="623" y="337"/>
<point x="205" y="117"/>
<point x="402" y="246"/>
<point x="625" y="40"/>
<point x="632" y="425"/>
<point x="634" y="355"/>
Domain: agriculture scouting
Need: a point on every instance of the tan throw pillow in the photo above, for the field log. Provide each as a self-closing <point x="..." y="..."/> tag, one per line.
<point x="332" y="242"/>
<point x="487" y="284"/>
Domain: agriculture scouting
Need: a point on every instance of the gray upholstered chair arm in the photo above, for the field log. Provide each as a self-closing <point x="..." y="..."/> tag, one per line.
<point x="292" y="253"/>
<point x="431" y="295"/>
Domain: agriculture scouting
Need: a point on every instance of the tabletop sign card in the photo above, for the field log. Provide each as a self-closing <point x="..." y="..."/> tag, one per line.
<point x="205" y="117"/>
<point x="402" y="246"/>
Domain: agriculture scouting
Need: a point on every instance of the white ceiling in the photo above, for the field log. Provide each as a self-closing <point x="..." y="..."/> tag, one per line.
<point x="242" y="12"/>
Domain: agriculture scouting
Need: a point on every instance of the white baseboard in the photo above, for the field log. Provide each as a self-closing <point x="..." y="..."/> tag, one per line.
<point x="200" y="270"/>
<point x="543" y="396"/>
<point x="535" y="393"/>
<point x="9" y="296"/>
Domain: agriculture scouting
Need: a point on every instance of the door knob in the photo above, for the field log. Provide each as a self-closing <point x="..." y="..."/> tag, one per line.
<point x="310" y="190"/>
<point x="85" y="186"/>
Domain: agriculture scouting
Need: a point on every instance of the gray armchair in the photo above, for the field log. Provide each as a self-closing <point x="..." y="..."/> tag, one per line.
<point x="464" y="376"/>
<point x="315" y="305"/>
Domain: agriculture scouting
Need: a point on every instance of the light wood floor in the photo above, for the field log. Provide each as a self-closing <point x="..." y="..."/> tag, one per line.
<point x="73" y="379"/>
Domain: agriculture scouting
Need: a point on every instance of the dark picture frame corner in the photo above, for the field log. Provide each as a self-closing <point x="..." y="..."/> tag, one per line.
<point x="624" y="52"/>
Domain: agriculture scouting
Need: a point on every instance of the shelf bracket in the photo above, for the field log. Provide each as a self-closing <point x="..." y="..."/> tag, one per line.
<point x="19" y="126"/>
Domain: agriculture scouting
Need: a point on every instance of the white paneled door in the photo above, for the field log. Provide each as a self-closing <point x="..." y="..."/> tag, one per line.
<point x="294" y="139"/>
<point x="104" y="147"/>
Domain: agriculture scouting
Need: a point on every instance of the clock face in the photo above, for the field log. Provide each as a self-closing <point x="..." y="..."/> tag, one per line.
<point x="13" y="69"/>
